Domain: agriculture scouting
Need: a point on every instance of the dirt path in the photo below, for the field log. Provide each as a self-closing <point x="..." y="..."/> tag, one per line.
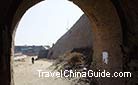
<point x="26" y="73"/>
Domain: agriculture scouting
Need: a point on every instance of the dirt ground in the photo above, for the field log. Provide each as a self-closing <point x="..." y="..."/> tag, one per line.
<point x="25" y="73"/>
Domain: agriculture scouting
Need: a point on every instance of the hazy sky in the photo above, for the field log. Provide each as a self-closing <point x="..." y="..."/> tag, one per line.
<point x="46" y="22"/>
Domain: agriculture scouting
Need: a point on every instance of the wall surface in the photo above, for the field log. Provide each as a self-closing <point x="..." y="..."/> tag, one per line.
<point x="80" y="35"/>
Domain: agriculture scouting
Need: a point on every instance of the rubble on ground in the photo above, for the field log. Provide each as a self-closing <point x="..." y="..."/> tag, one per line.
<point x="77" y="60"/>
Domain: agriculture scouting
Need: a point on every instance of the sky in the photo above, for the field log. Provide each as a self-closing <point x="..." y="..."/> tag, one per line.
<point x="46" y="22"/>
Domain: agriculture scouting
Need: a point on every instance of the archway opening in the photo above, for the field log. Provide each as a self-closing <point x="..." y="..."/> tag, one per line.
<point x="40" y="27"/>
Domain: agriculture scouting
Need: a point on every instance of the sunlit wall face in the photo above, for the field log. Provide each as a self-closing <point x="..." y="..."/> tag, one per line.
<point x="46" y="22"/>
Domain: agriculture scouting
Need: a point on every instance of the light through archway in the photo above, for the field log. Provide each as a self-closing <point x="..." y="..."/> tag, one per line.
<point x="46" y="22"/>
<point x="42" y="24"/>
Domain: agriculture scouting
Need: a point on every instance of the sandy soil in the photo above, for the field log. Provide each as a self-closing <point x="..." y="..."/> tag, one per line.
<point x="25" y="73"/>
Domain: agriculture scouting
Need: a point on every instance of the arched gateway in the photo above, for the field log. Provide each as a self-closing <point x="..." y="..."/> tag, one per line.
<point x="113" y="22"/>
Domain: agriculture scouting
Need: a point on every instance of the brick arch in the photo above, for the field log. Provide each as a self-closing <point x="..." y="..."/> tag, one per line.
<point x="107" y="34"/>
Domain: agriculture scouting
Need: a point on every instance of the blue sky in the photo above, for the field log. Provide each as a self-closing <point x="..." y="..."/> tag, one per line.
<point x="46" y="22"/>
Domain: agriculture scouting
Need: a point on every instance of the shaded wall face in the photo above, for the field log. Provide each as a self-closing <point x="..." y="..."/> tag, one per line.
<point x="127" y="11"/>
<point x="5" y="50"/>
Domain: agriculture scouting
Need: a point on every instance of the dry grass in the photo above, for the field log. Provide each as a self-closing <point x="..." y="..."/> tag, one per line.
<point x="73" y="61"/>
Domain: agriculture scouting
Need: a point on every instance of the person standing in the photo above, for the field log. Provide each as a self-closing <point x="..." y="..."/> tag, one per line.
<point x="32" y="60"/>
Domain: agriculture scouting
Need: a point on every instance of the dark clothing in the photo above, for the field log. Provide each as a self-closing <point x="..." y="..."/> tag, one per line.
<point x="32" y="60"/>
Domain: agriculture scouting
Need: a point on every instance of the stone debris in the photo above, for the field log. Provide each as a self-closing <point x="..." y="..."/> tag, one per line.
<point x="79" y="59"/>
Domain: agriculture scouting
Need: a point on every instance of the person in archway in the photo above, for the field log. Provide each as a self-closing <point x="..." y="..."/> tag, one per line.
<point x="32" y="60"/>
